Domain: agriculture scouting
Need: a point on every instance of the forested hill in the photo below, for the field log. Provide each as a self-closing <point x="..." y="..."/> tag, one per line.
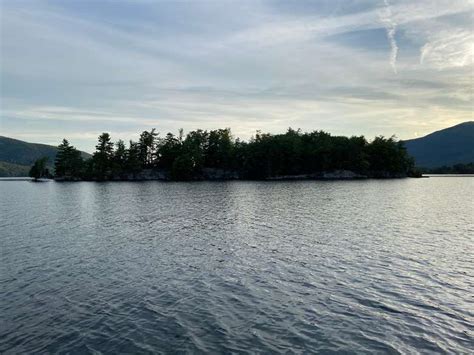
<point x="16" y="156"/>
<point x="450" y="146"/>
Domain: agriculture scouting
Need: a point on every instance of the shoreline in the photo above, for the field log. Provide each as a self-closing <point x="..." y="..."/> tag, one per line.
<point x="215" y="175"/>
<point x="223" y="175"/>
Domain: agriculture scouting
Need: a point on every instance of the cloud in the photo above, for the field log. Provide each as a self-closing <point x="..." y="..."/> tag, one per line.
<point x="69" y="68"/>
<point x="282" y="29"/>
<point x="391" y="27"/>
<point x="448" y="49"/>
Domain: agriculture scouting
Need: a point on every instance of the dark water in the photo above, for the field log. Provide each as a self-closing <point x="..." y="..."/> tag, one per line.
<point x="364" y="266"/>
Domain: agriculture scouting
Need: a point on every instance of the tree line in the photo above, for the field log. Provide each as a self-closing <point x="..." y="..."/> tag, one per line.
<point x="186" y="157"/>
<point x="454" y="169"/>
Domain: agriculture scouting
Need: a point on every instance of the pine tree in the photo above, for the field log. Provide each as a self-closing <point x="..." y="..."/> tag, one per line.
<point x="39" y="170"/>
<point x="147" y="144"/>
<point x="68" y="161"/>
<point x="103" y="157"/>
<point x="132" y="161"/>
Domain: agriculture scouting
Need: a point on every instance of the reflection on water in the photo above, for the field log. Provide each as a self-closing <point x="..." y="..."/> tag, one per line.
<point x="362" y="266"/>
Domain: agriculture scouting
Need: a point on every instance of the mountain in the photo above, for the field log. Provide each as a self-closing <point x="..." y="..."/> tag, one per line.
<point x="453" y="145"/>
<point x="16" y="157"/>
<point x="13" y="170"/>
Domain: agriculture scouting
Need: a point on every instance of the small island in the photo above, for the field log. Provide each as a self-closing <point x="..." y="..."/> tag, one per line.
<point x="216" y="155"/>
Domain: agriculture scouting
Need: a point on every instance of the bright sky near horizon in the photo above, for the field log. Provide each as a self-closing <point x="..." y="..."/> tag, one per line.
<point x="75" y="69"/>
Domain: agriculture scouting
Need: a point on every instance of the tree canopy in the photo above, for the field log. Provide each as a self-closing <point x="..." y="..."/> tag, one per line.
<point x="39" y="169"/>
<point x="263" y="156"/>
<point x="68" y="163"/>
<point x="455" y="169"/>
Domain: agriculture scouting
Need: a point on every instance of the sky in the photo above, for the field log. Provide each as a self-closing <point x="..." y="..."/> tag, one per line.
<point x="75" y="69"/>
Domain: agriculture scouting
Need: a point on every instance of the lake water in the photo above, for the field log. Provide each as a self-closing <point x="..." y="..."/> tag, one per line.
<point x="356" y="266"/>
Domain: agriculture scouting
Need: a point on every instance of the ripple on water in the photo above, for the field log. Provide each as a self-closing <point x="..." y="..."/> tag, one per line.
<point x="366" y="266"/>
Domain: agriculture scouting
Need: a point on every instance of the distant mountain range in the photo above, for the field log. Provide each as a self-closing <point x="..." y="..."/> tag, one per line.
<point x="449" y="146"/>
<point x="16" y="157"/>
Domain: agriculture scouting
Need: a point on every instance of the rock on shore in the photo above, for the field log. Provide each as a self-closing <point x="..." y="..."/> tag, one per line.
<point x="326" y="175"/>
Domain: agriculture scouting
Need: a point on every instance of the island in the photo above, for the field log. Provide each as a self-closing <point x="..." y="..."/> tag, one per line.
<point x="217" y="155"/>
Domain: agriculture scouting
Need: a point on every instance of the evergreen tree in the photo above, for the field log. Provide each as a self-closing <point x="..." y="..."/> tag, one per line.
<point x="219" y="149"/>
<point x="386" y="155"/>
<point x="147" y="144"/>
<point x="103" y="157"/>
<point x="39" y="170"/>
<point x="132" y="158"/>
<point x="68" y="161"/>
<point x="119" y="158"/>
<point x="183" y="168"/>
<point x="194" y="149"/>
<point x="264" y="156"/>
<point x="169" y="149"/>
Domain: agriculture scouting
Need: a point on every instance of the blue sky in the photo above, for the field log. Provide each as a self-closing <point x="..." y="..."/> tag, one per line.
<point x="78" y="68"/>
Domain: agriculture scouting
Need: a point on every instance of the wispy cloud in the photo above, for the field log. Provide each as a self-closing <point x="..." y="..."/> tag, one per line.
<point x="69" y="68"/>
<point x="391" y="28"/>
<point x="448" y="49"/>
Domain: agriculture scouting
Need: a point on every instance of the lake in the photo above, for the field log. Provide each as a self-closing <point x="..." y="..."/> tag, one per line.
<point x="375" y="266"/>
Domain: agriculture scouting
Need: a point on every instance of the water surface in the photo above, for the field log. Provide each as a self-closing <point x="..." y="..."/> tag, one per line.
<point x="355" y="266"/>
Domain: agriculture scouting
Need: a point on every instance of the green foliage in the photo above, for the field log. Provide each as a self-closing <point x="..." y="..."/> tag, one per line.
<point x="195" y="148"/>
<point x="14" y="151"/>
<point x="219" y="149"/>
<point x="455" y="169"/>
<point x="295" y="153"/>
<point x="39" y="170"/>
<point x="169" y="149"/>
<point x="17" y="157"/>
<point x="13" y="170"/>
<point x="119" y="158"/>
<point x="147" y="144"/>
<point x="386" y="155"/>
<point x="264" y="156"/>
<point x="68" y="163"/>
<point x="102" y="159"/>
<point x="133" y="164"/>
<point x="184" y="168"/>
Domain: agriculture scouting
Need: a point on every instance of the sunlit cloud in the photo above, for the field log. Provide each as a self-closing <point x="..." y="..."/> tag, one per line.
<point x="349" y="67"/>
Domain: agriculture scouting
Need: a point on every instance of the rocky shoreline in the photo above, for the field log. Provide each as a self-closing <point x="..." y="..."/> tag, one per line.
<point x="209" y="174"/>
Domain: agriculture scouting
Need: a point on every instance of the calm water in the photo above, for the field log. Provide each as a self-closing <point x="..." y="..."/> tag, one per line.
<point x="363" y="266"/>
